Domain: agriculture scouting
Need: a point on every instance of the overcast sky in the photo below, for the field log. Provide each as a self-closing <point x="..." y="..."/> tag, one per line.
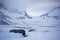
<point x="21" y="4"/>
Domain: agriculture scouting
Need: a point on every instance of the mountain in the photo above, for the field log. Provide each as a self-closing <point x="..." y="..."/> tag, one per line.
<point x="3" y="19"/>
<point x="54" y="13"/>
<point x="17" y="17"/>
<point x="12" y="17"/>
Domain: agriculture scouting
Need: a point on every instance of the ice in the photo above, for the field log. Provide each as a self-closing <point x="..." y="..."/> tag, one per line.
<point x="41" y="33"/>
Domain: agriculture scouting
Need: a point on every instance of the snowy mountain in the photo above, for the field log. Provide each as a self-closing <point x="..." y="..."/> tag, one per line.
<point x="16" y="17"/>
<point x="2" y="18"/>
<point x="7" y="16"/>
<point x="54" y="13"/>
<point x="13" y="16"/>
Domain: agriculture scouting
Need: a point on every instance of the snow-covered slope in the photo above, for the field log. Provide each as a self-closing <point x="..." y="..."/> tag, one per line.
<point x="13" y="17"/>
<point x="16" y="17"/>
<point x="41" y="33"/>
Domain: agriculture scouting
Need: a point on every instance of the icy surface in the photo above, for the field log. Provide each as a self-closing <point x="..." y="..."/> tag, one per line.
<point x="41" y="33"/>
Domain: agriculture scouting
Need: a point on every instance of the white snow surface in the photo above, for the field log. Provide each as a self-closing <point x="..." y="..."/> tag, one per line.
<point x="40" y="33"/>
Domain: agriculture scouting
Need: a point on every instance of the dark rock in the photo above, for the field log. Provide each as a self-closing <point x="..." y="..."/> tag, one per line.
<point x="31" y="30"/>
<point x="19" y="31"/>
